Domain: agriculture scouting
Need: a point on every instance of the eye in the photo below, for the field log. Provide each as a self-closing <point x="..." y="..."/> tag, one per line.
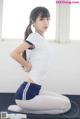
<point x="45" y="18"/>
<point x="48" y="19"/>
<point x="41" y="19"/>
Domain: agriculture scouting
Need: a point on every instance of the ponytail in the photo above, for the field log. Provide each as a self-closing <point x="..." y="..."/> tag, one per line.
<point x="26" y="34"/>
<point x="27" y="31"/>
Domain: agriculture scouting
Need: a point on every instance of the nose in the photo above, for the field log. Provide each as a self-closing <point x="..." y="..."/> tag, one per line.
<point x="46" y="21"/>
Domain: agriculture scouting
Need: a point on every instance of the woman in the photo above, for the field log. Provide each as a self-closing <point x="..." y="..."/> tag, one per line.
<point x="30" y="96"/>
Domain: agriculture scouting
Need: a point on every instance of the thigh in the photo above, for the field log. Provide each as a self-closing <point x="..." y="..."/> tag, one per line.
<point x="43" y="102"/>
<point x="50" y="93"/>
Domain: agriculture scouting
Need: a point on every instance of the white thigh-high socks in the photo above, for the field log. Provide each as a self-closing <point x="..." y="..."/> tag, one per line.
<point x="44" y="103"/>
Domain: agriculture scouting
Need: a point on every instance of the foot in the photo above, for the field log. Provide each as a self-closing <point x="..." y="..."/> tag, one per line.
<point x="15" y="108"/>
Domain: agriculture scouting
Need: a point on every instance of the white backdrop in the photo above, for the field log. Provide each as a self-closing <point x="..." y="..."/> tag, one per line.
<point x="63" y="75"/>
<point x="1" y="7"/>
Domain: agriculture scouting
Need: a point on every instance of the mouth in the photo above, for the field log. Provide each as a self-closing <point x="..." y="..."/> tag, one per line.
<point x="45" y="27"/>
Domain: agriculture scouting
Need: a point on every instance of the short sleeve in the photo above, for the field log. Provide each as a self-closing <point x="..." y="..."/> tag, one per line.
<point x="32" y="40"/>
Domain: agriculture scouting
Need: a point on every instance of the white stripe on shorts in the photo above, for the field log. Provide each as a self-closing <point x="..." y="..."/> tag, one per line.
<point x="25" y="91"/>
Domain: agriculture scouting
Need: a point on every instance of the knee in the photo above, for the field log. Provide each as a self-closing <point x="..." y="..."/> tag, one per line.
<point x="67" y="104"/>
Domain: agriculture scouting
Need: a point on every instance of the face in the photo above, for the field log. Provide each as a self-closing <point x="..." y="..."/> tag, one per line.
<point x="41" y="24"/>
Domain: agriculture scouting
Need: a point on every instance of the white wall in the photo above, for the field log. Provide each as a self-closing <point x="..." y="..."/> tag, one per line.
<point x="63" y="76"/>
<point x="1" y="7"/>
<point x="64" y="73"/>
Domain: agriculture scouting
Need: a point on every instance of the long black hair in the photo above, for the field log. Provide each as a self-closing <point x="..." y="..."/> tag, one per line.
<point x="36" y="12"/>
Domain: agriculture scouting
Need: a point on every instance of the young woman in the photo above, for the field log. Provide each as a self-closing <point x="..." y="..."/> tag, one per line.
<point x="33" y="55"/>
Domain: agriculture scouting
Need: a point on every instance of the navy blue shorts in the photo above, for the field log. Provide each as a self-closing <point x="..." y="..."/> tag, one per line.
<point x="27" y="91"/>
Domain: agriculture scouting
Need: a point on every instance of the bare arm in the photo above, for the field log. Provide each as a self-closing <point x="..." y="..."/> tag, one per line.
<point x="16" y="54"/>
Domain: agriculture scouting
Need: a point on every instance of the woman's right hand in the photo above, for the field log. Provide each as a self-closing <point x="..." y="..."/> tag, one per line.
<point x="28" y="68"/>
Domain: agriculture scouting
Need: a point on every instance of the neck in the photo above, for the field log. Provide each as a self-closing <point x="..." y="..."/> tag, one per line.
<point x="41" y="33"/>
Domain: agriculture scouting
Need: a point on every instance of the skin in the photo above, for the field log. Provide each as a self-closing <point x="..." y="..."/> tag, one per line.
<point x="40" y="25"/>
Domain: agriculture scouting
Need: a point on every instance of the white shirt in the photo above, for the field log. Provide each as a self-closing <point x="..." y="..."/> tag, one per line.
<point x="38" y="57"/>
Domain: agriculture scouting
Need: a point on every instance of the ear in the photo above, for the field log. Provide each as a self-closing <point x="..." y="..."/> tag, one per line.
<point x="33" y="23"/>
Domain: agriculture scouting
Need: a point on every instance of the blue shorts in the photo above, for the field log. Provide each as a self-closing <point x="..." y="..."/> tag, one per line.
<point x="27" y="91"/>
